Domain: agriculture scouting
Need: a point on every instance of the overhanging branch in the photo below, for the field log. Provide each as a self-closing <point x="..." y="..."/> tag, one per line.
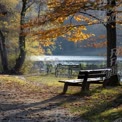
<point x="93" y="17"/>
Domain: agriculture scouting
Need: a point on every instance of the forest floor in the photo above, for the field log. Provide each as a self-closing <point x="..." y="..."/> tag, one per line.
<point x="36" y="99"/>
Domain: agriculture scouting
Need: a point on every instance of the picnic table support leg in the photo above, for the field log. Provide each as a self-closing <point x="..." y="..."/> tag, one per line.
<point x="65" y="88"/>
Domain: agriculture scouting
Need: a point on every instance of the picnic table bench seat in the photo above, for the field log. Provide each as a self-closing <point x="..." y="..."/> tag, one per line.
<point x="87" y="77"/>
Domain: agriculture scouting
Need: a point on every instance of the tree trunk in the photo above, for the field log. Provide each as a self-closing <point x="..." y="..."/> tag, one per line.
<point x="22" y="54"/>
<point x="3" y="53"/>
<point x="111" y="44"/>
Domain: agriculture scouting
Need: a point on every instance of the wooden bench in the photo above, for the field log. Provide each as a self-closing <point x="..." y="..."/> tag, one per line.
<point x="87" y="77"/>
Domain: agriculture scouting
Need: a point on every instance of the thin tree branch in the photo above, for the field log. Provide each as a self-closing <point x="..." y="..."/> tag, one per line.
<point x="39" y="10"/>
<point x="93" y="17"/>
<point x="29" y="5"/>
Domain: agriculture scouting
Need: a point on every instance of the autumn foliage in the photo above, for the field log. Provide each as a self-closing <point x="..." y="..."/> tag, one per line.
<point x="38" y="23"/>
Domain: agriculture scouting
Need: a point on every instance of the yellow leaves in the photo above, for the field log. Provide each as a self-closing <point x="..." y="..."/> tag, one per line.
<point x="77" y="34"/>
<point x="5" y="23"/>
<point x="65" y="8"/>
<point x="46" y="43"/>
<point x="60" y="19"/>
<point x="88" y="20"/>
<point x="36" y="42"/>
<point x="53" y="3"/>
<point x="70" y="32"/>
<point x="50" y="33"/>
<point x="10" y="4"/>
<point x="11" y="24"/>
<point x="33" y="46"/>
<point x="78" y="17"/>
<point x="79" y="37"/>
<point x="10" y="1"/>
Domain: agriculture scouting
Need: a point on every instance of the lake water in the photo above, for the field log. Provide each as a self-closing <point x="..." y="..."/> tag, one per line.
<point x="70" y="58"/>
<point x="75" y="60"/>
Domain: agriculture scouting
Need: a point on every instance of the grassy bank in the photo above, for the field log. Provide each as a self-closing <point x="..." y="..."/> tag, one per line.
<point x="96" y="105"/>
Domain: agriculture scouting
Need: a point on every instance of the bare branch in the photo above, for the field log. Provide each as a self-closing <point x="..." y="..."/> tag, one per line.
<point x="93" y="17"/>
<point x="30" y="5"/>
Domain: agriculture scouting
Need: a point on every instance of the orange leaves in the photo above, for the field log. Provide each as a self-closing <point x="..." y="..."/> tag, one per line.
<point x="58" y="12"/>
<point x="2" y="15"/>
<point x="119" y="51"/>
<point x="26" y="25"/>
<point x="65" y="8"/>
<point x="88" y="20"/>
<point x="46" y="42"/>
<point x="78" y="17"/>
<point x="60" y="19"/>
<point x="51" y="33"/>
<point x="102" y="36"/>
<point x="99" y="44"/>
<point x="77" y="35"/>
<point x="54" y="3"/>
<point x="70" y="32"/>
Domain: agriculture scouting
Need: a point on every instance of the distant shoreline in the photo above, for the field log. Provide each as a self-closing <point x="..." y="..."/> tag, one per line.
<point x="68" y="58"/>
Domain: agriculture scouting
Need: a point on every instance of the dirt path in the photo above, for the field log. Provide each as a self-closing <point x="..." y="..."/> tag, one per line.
<point x="17" y="105"/>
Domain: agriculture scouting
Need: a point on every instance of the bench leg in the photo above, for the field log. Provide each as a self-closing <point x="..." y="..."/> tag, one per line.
<point x="105" y="83"/>
<point x="65" y="88"/>
<point x="85" y="87"/>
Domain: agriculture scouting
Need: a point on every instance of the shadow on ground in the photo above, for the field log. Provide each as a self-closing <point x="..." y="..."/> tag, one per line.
<point x="48" y="110"/>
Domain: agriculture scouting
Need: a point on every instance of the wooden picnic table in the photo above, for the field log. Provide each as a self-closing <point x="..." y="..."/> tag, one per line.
<point x="67" y="69"/>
